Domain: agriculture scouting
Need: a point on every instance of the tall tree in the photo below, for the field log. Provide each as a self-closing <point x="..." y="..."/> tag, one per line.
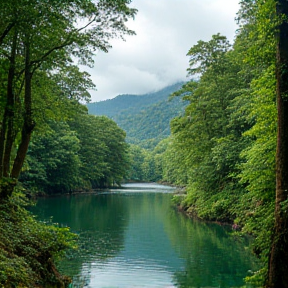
<point x="278" y="264"/>
<point x="45" y="35"/>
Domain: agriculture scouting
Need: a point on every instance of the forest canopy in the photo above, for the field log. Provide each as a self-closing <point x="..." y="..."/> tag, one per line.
<point x="40" y="42"/>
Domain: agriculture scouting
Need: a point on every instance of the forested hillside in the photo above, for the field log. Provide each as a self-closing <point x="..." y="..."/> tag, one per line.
<point x="132" y="104"/>
<point x="145" y="118"/>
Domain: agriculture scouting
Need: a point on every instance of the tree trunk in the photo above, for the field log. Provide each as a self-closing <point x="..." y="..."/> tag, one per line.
<point x="2" y="142"/>
<point x="8" y="113"/>
<point x="9" y="110"/>
<point x="278" y="262"/>
<point x="10" y="179"/>
<point x="7" y="130"/>
<point x="6" y="32"/>
<point x="28" y="124"/>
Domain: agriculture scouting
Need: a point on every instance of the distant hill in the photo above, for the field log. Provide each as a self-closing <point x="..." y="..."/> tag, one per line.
<point x="145" y="118"/>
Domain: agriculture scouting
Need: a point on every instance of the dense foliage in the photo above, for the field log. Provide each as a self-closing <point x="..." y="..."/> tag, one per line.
<point x="87" y="152"/>
<point x="29" y="249"/>
<point x="223" y="148"/>
<point x="42" y="43"/>
<point x="225" y="144"/>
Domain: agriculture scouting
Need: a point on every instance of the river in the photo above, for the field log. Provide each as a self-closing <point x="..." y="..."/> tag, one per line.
<point x="133" y="237"/>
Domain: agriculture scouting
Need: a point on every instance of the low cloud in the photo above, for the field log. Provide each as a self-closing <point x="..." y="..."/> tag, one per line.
<point x="156" y="56"/>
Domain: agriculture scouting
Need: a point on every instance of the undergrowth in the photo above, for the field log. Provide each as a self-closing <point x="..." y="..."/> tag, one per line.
<point x="29" y="249"/>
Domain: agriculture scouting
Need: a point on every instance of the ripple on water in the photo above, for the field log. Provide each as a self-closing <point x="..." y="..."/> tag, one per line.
<point x="140" y="241"/>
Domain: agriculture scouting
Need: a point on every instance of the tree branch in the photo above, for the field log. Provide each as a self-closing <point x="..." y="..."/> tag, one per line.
<point x="39" y="61"/>
<point x="88" y="24"/>
<point x="6" y="31"/>
<point x="67" y="42"/>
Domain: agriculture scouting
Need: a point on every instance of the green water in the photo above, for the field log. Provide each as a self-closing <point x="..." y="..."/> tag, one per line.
<point x="133" y="238"/>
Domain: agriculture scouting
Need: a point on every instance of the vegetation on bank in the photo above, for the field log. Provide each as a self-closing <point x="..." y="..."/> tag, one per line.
<point x="29" y="249"/>
<point x="84" y="153"/>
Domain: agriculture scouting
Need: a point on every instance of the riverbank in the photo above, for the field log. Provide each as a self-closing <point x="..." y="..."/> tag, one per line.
<point x="29" y="248"/>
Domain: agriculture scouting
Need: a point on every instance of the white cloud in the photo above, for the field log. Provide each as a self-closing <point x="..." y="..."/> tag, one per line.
<point x="156" y="56"/>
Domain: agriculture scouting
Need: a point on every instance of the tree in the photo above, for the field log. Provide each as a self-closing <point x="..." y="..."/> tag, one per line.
<point x="87" y="152"/>
<point x="52" y="162"/>
<point x="103" y="152"/>
<point x="137" y="156"/>
<point x="116" y="157"/>
<point x="207" y="141"/>
<point x="278" y="262"/>
<point x="92" y="150"/>
<point x="204" y="55"/>
<point x="44" y="36"/>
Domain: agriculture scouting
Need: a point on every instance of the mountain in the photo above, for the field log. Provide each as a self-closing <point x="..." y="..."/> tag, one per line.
<point x="145" y="118"/>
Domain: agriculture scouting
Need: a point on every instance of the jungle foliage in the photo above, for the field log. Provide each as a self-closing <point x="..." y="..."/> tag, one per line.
<point x="40" y="43"/>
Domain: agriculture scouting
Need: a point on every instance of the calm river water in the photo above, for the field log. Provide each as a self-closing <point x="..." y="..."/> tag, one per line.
<point x="132" y="237"/>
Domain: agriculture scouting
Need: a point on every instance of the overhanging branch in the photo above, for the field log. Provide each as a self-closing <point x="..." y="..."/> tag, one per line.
<point x="6" y="31"/>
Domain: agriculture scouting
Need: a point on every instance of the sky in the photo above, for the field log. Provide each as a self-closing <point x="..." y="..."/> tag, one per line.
<point x="156" y="57"/>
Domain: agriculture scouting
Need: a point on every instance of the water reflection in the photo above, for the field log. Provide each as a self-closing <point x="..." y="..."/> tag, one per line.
<point x="213" y="258"/>
<point x="133" y="239"/>
<point x="101" y="233"/>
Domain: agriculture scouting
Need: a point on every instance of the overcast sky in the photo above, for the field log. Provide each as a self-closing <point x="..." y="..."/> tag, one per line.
<point x="156" y="56"/>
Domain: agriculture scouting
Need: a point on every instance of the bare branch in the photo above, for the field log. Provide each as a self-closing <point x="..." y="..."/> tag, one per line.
<point x="88" y="24"/>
